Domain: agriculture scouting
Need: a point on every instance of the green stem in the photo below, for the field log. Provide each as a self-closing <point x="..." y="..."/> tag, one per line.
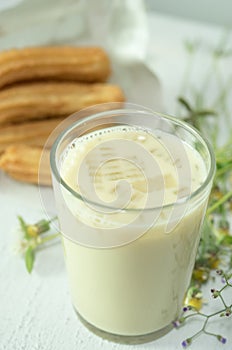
<point x="219" y="203"/>
<point x="215" y="313"/>
<point x="205" y="323"/>
<point x="48" y="238"/>
<point x="209" y="74"/>
<point x="212" y="228"/>
<point x="224" y="287"/>
<point x="209" y="333"/>
<point x="197" y="334"/>
<point x="223" y="301"/>
<point x="53" y="219"/>
<point x="186" y="77"/>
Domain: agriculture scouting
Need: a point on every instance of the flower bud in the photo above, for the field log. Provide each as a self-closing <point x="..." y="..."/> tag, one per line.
<point x="221" y="339"/>
<point x="215" y="294"/>
<point x="186" y="342"/>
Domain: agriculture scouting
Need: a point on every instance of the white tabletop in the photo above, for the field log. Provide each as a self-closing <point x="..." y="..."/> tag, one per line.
<point x="36" y="312"/>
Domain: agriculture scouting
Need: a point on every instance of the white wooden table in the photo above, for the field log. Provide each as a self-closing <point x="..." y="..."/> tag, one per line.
<point x="35" y="310"/>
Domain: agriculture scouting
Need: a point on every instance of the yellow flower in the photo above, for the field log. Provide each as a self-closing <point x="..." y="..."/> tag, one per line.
<point x="200" y="275"/>
<point x="194" y="298"/>
<point x="196" y="303"/>
<point x="32" y="230"/>
<point x="214" y="262"/>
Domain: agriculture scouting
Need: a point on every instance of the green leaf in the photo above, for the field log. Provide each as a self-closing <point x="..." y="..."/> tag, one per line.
<point x="23" y="227"/>
<point x="205" y="112"/>
<point x="29" y="259"/>
<point x="185" y="103"/>
<point x="222" y="53"/>
<point x="227" y="240"/>
<point x="43" y="226"/>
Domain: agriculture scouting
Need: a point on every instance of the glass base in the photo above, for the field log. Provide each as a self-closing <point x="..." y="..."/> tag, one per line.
<point x="125" y="339"/>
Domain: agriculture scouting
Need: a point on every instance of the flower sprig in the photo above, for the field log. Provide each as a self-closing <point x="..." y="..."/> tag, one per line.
<point x="34" y="236"/>
<point x="215" y="248"/>
<point x="191" y="312"/>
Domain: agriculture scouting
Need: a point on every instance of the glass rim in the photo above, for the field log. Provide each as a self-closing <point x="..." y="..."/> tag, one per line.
<point x="189" y="128"/>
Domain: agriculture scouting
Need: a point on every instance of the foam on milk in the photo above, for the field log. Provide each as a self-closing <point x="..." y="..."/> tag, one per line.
<point x="107" y="174"/>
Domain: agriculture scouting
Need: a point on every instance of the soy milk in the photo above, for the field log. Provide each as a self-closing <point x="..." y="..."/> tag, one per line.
<point x="138" y="287"/>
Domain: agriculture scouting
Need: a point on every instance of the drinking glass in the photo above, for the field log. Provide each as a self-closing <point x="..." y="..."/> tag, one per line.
<point x="129" y="268"/>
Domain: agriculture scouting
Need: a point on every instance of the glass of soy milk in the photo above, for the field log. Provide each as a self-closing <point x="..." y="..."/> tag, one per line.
<point x="131" y="188"/>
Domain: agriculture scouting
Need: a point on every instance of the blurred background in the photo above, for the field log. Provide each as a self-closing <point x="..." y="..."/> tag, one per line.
<point x="212" y="11"/>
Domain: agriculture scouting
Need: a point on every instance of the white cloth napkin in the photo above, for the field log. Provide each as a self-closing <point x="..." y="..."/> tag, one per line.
<point x="116" y="24"/>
